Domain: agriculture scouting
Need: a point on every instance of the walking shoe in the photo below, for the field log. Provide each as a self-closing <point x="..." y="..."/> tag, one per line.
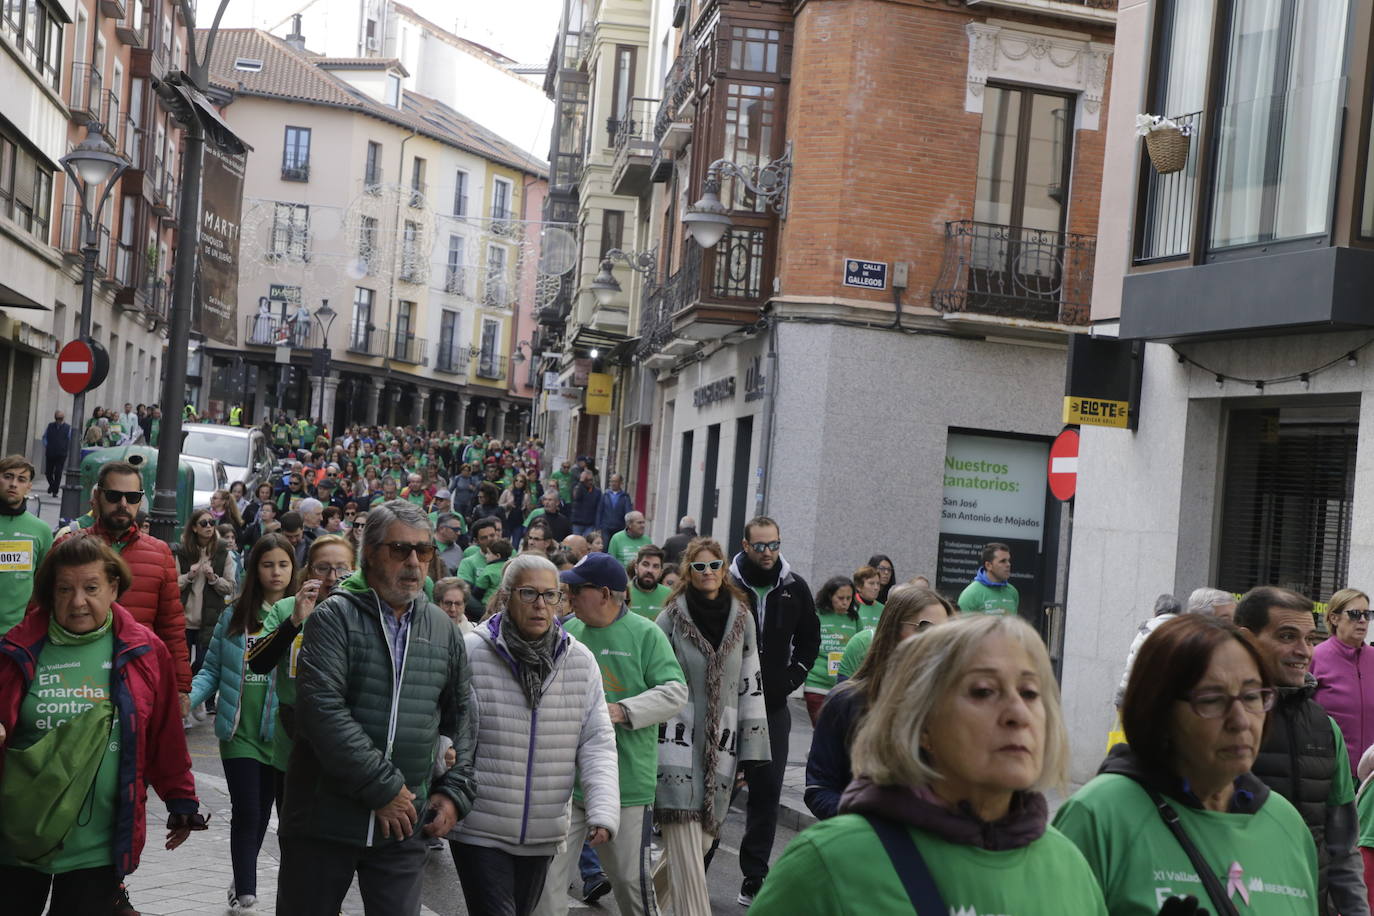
<point x="595" y="889"/>
<point x="199" y="713"/>
<point x="749" y="890"/>
<point x="437" y="843"/>
<point x="237" y="903"/>
<point x="122" y="906"/>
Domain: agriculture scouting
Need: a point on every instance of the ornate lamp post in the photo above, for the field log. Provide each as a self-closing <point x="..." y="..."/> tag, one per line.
<point x="708" y="218"/>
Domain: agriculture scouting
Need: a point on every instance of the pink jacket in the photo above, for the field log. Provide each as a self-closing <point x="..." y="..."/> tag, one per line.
<point x="1345" y="689"/>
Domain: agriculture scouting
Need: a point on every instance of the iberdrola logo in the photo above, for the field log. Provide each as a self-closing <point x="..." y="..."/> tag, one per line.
<point x="1235" y="882"/>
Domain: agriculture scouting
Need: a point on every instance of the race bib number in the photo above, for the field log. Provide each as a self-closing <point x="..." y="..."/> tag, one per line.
<point x="295" y="653"/>
<point x="832" y="662"/>
<point x="16" y="556"/>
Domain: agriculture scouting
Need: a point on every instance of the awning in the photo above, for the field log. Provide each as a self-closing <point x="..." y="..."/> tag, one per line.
<point x="588" y="337"/>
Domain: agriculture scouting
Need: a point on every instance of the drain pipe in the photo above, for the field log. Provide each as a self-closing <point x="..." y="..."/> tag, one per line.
<point x="770" y="386"/>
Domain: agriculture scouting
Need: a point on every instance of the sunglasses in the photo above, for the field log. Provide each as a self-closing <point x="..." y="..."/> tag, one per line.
<point x="205" y="523"/>
<point x="710" y="564"/>
<point x="1359" y="615"/>
<point x="400" y="550"/>
<point x="761" y="546"/>
<point x="132" y="497"/>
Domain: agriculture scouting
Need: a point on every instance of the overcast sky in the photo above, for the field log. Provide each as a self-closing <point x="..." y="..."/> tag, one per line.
<point x="522" y="29"/>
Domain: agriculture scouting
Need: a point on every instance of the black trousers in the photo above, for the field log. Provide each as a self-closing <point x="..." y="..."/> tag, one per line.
<point x="496" y="883"/>
<point x="316" y="874"/>
<point x="765" y="795"/>
<point x="86" y="890"/>
<point x="52" y="469"/>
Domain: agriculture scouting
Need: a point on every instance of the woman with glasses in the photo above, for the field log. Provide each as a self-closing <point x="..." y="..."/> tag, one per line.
<point x="910" y="610"/>
<point x="887" y="575"/>
<point x="1344" y="668"/>
<point x="839" y="624"/>
<point x="205" y="576"/>
<point x="1178" y="800"/>
<point x="541" y="720"/>
<point x="328" y="562"/>
<point x="723" y="727"/>
<point x="451" y="594"/>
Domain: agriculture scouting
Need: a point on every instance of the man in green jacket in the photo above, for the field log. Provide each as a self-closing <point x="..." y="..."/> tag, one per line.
<point x="377" y="662"/>
<point x="23" y="540"/>
<point x="991" y="591"/>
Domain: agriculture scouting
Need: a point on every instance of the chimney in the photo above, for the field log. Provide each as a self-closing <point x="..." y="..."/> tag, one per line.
<point x="296" y="39"/>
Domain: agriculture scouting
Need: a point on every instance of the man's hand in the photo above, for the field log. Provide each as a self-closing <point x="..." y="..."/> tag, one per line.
<point x="598" y="835"/>
<point x="617" y="712"/>
<point x="450" y="755"/>
<point x="445" y="817"/>
<point x="185" y="705"/>
<point x="397" y="816"/>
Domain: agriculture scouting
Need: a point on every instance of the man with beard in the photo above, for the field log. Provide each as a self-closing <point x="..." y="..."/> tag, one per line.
<point x="379" y="660"/>
<point x="23" y="540"/>
<point x="646" y="596"/>
<point x="789" y="640"/>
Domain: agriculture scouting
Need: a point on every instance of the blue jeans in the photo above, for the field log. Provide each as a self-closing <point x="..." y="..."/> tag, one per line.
<point x="589" y="865"/>
<point x="583" y="530"/>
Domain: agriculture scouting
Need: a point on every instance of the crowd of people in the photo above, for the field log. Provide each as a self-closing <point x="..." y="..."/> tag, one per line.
<point x="407" y="642"/>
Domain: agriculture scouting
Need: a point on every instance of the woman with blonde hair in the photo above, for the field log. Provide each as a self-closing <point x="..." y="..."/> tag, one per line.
<point x="945" y="806"/>
<point x="1345" y="671"/>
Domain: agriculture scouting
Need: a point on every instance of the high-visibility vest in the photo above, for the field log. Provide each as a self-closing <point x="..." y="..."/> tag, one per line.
<point x="235" y="416"/>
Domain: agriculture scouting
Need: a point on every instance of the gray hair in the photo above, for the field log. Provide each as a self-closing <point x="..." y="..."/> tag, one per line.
<point x="525" y="563"/>
<point x="1207" y="600"/>
<point x="687" y="522"/>
<point x="633" y="514"/>
<point x="309" y="504"/>
<point x="448" y="583"/>
<point x="381" y="517"/>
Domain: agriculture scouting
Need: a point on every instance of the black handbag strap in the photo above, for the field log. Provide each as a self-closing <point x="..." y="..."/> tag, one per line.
<point x="911" y="867"/>
<point x="1215" y="891"/>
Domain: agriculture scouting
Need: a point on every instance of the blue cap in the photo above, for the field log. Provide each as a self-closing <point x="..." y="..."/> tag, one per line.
<point x="599" y="569"/>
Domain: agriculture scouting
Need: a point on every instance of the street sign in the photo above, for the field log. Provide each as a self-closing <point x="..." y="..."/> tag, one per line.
<point x="1063" y="467"/>
<point x="82" y="365"/>
<point x="865" y="274"/>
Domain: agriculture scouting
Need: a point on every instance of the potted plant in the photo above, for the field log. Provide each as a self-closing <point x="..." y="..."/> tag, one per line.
<point x="1166" y="141"/>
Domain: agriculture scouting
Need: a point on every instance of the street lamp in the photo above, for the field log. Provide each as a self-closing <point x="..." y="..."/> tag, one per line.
<point x="324" y="316"/>
<point x="708" y="218"/>
<point x="95" y="169"/>
<point x="606" y="287"/>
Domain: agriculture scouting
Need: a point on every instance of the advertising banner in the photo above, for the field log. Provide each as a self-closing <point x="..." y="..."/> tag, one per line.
<point x="598" y="393"/>
<point x="215" y="311"/>
<point x="994" y="491"/>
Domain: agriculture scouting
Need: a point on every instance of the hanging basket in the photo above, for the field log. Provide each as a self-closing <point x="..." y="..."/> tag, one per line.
<point x="1168" y="149"/>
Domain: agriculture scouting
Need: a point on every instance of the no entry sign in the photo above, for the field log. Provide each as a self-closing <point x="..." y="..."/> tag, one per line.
<point x="1063" y="468"/>
<point x="82" y="365"/>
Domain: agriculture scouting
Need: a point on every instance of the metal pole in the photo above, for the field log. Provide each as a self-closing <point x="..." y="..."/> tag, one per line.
<point x="71" y="488"/>
<point x="164" y="513"/>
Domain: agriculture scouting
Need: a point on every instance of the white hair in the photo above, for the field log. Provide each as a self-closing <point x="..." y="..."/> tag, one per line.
<point x="1207" y="600"/>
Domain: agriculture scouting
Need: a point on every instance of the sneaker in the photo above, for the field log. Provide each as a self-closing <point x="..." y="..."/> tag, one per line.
<point x="237" y="903"/>
<point x="749" y="890"/>
<point x="122" y="906"/>
<point x="199" y="713"/>
<point x="595" y="889"/>
<point x="437" y="843"/>
<point x="188" y="723"/>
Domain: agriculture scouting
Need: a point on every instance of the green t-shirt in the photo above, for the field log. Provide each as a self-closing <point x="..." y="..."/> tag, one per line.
<point x="855" y="651"/>
<point x="564" y="481"/>
<point x="978" y="598"/>
<point x="648" y="604"/>
<point x="471" y="564"/>
<point x="868" y="613"/>
<point x="69" y="680"/>
<point x="1364" y="804"/>
<point x="634" y="656"/>
<point x="839" y="867"/>
<point x="1342" y="783"/>
<point x="24" y="540"/>
<point x="625" y="548"/>
<point x="286" y="677"/>
<point x="1139" y="863"/>
<point x="248" y="740"/>
<point x="489" y="577"/>
<point x="837" y="630"/>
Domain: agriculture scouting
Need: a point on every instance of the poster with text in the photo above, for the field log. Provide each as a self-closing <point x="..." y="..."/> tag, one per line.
<point x="216" y="302"/>
<point x="994" y="490"/>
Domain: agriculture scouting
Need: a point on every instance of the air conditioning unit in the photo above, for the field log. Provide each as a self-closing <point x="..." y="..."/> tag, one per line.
<point x="374" y="43"/>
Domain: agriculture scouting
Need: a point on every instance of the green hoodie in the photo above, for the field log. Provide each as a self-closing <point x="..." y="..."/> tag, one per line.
<point x="24" y="540"/>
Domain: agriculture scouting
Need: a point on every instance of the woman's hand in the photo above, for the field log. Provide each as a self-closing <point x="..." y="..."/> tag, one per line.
<point x="306" y="598"/>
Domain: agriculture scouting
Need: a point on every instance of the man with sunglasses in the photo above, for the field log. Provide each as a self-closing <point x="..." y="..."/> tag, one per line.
<point x="24" y="539"/>
<point x="1304" y="757"/>
<point x="789" y="641"/>
<point x="377" y="662"/>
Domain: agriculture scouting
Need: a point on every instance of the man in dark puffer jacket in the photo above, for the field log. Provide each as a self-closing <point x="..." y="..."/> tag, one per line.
<point x="382" y="673"/>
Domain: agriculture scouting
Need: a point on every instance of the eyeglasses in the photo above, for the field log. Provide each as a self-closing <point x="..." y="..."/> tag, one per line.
<point x="205" y="523"/>
<point x="454" y="528"/>
<point x="132" y="497"/>
<point x="452" y="604"/>
<point x="710" y="564"/>
<point x="400" y="550"/>
<point x="552" y="597"/>
<point x="1358" y="615"/>
<point x="1213" y="704"/>
<point x="761" y="546"/>
<point x="324" y="569"/>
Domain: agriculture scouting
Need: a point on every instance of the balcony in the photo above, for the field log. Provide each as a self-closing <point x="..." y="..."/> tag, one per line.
<point x="124" y="261"/>
<point x="452" y="359"/>
<point x="1100" y="12"/>
<point x="491" y="366"/>
<point x="112" y="9"/>
<point x="131" y="143"/>
<point x="110" y="121"/>
<point x="372" y="181"/>
<point x="367" y="341"/>
<point x="634" y="148"/>
<point x="416" y="200"/>
<point x="270" y="330"/>
<point x="85" y="93"/>
<point x="407" y="348"/>
<point x="131" y="28"/>
<point x="1015" y="274"/>
<point x="156" y="186"/>
<point x="673" y="124"/>
<point x="456" y="280"/>
<point x="70" y="240"/>
<point x="295" y="172"/>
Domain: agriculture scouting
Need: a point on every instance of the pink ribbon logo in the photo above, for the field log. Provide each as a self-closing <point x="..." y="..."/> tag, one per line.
<point x="1235" y="882"/>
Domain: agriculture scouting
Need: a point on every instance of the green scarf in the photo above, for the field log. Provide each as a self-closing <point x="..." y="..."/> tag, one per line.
<point x="61" y="636"/>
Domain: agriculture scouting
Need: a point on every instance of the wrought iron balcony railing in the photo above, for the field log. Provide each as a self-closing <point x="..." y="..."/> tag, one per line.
<point x="1015" y="272"/>
<point x="452" y="359"/>
<point x="296" y="172"/>
<point x="407" y="348"/>
<point x="270" y="330"/>
<point x="1169" y="202"/>
<point x="678" y="87"/>
<point x="491" y="366"/>
<point x="661" y="303"/>
<point x="85" y="93"/>
<point x="367" y="341"/>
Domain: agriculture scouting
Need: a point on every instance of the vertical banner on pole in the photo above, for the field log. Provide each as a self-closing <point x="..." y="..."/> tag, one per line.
<point x="216" y="301"/>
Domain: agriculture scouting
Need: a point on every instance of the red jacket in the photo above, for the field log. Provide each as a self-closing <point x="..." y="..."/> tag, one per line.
<point x="154" y="599"/>
<point x="145" y="697"/>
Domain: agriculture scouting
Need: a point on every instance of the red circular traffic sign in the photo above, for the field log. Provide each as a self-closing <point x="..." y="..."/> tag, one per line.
<point x="75" y="367"/>
<point x="1063" y="467"/>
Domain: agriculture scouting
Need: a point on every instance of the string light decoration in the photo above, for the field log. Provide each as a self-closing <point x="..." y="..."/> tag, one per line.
<point x="1304" y="378"/>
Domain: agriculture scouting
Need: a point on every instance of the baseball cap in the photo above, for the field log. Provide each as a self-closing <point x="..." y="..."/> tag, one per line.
<point x="599" y="569"/>
<point x="443" y="494"/>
